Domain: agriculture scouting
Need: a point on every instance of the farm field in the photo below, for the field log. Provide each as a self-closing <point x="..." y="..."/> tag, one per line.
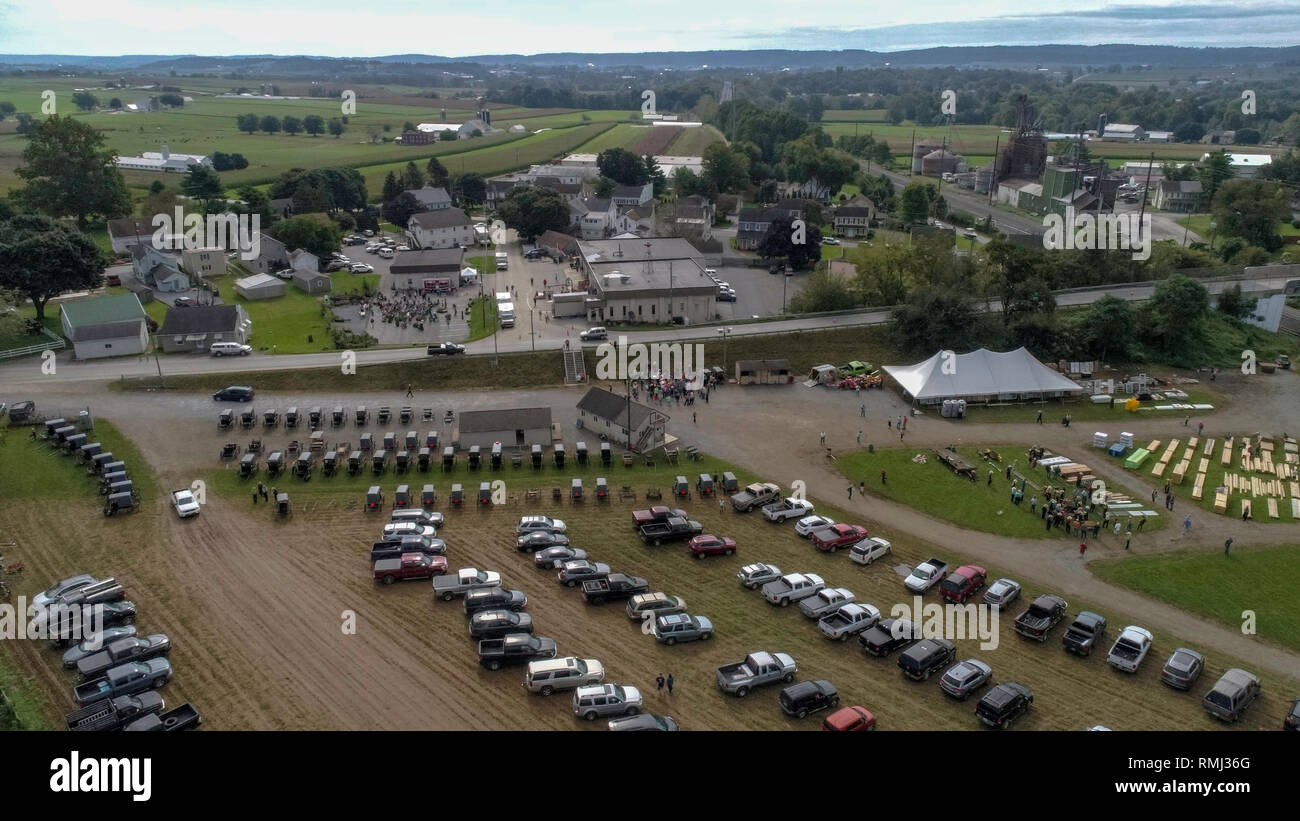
<point x="253" y="607"/>
<point x="691" y="142"/>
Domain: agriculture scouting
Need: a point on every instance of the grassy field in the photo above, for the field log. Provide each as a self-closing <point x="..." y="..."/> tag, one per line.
<point x="293" y="323"/>
<point x="862" y="115"/>
<point x="483" y="320"/>
<point x="50" y="474"/>
<point x="935" y="490"/>
<point x="1215" y="475"/>
<point x="1220" y="588"/>
<point x="622" y="135"/>
<point x="691" y="142"/>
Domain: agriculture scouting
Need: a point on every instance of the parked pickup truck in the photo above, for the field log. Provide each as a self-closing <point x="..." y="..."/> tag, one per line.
<point x="185" y="503"/>
<point x="673" y="530"/>
<point x="1130" y="648"/>
<point x="409" y="566"/>
<point x="755" y="495"/>
<point x="825" y="600"/>
<point x="122" y="651"/>
<point x="613" y="586"/>
<point x="395" y="550"/>
<point x="790" y="508"/>
<point x="125" y="680"/>
<point x="831" y="539"/>
<point x="925" y="575"/>
<point x="756" y="670"/>
<point x="792" y="587"/>
<point x="184" y="717"/>
<point x="658" y="513"/>
<point x="963" y="583"/>
<point x="889" y="635"/>
<point x="515" y="648"/>
<point x="113" y="713"/>
<point x="1083" y="633"/>
<point x="848" y="620"/>
<point x="466" y="579"/>
<point x="1044" y="614"/>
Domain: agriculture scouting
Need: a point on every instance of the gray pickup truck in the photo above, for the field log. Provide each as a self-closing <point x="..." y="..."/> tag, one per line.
<point x="121" y="651"/>
<point x="673" y="530"/>
<point x="755" y="495"/>
<point x="114" y="713"/>
<point x="449" y="586"/>
<point x="514" y="648"/>
<point x="126" y="680"/>
<point x="184" y="717"/>
<point x="613" y="586"/>
<point x="756" y="670"/>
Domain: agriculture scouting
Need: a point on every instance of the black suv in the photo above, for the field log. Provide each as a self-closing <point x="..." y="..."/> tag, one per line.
<point x="925" y="657"/>
<point x="1004" y="704"/>
<point x="235" y="393"/>
<point x="881" y="641"/>
<point x="806" y="697"/>
<point x="494" y="598"/>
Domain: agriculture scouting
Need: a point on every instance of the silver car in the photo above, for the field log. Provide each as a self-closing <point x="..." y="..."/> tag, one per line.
<point x="1002" y="593"/>
<point x="598" y="700"/>
<point x="965" y="677"/>
<point x="753" y="576"/>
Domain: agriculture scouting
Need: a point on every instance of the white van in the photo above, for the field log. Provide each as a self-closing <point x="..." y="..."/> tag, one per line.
<point x="230" y="349"/>
<point x="503" y="262"/>
<point x="506" y="313"/>
<point x="503" y="297"/>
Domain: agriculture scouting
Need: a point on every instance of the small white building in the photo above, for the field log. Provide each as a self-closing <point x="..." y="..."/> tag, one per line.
<point x="259" y="286"/>
<point x="1245" y="166"/>
<point x="105" y="326"/>
<point x="446" y="228"/>
<point x="201" y="263"/>
<point x="163" y="161"/>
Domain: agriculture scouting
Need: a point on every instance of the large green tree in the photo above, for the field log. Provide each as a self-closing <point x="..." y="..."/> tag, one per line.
<point x="1173" y="315"/>
<point x="401" y="208"/>
<point x="725" y="168"/>
<point x="912" y="206"/>
<point x="469" y="189"/>
<point x="779" y="242"/>
<point x="320" y="237"/>
<point x="438" y="174"/>
<point x="203" y="184"/>
<point x="1252" y="210"/>
<point x="1109" y="328"/>
<point x="622" y="166"/>
<point x="533" y="211"/>
<point x="411" y="178"/>
<point x="69" y="172"/>
<point x="1214" y="171"/>
<point x="42" y="258"/>
<point x="934" y="319"/>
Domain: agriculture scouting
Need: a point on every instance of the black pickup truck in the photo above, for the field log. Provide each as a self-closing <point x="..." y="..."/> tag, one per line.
<point x="410" y="544"/>
<point x="613" y="586"/>
<point x="515" y="648"/>
<point x="184" y="717"/>
<point x="674" y="530"/>
<point x="1044" y="614"/>
<point x="113" y="713"/>
<point x="1084" y="633"/>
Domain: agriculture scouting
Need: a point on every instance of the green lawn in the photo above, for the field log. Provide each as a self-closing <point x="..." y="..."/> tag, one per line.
<point x="1215" y="474"/>
<point x="832" y="252"/>
<point x="346" y="283"/>
<point x="937" y="491"/>
<point x="486" y="264"/>
<point x="293" y="323"/>
<point x="691" y="142"/>
<point x="1221" y="588"/>
<point x="49" y="474"/>
<point x="1086" y="411"/>
<point x="483" y="320"/>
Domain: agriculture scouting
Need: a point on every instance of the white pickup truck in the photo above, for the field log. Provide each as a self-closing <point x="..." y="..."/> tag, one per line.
<point x="1130" y="648"/>
<point x="185" y="503"/>
<point x="926" y="575"/>
<point x="790" y="508"/>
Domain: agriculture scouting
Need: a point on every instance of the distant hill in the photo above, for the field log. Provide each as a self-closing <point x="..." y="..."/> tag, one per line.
<point x="1044" y="56"/>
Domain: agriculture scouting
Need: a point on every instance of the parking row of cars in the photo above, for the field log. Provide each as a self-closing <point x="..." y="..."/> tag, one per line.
<point x="120" y="671"/>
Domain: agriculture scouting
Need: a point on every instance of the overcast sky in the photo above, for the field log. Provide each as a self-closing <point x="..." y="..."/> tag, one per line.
<point x="342" y="28"/>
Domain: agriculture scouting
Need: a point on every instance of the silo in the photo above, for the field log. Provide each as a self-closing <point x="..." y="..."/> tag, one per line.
<point x="919" y="152"/>
<point x="939" y="162"/>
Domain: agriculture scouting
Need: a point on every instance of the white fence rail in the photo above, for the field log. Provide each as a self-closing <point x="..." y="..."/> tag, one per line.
<point x="52" y="343"/>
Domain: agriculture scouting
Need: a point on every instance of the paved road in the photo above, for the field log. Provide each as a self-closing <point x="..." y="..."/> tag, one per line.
<point x="28" y="371"/>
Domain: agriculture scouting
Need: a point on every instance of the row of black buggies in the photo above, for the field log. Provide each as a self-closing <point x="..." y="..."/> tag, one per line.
<point x="316" y="417"/>
<point x="403" y="497"/>
<point x="115" y="485"/>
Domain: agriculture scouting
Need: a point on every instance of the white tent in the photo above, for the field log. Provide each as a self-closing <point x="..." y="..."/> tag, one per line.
<point x="468" y="275"/>
<point x="981" y="374"/>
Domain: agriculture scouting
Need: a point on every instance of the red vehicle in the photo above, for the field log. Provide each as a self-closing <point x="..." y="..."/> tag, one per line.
<point x="963" y="583"/>
<point x="709" y="545"/>
<point x="836" y="536"/>
<point x="658" y="513"/>
<point x="850" y="719"/>
<point x="410" y="566"/>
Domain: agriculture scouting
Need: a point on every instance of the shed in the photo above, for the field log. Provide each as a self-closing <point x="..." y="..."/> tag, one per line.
<point x="312" y="282"/>
<point x="514" y="427"/>
<point x="763" y="372"/>
<point x="259" y="286"/>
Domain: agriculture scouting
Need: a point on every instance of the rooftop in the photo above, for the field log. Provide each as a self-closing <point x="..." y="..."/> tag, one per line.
<point x="446" y="218"/>
<point x="603" y="404"/>
<point x="104" y="309"/>
<point x="486" y="421"/>
<point x="414" y="262"/>
<point x="199" y="319"/>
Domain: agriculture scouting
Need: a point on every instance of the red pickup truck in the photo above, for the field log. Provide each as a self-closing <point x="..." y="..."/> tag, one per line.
<point x="836" y="536"/>
<point x="410" y="566"/>
<point x="655" y="515"/>
<point x="963" y="583"/>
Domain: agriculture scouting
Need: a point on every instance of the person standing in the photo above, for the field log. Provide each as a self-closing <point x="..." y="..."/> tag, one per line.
<point x="1200" y="427"/>
<point x="822" y="439"/>
<point x="659" y="684"/>
<point x="1083" y="548"/>
<point x="889" y="423"/>
<point x="670" y="684"/>
<point x="862" y="488"/>
<point x="1227" y="545"/>
<point x="1153" y="496"/>
<point x="1128" y="540"/>
<point x="990" y="482"/>
<point x="410" y="390"/>
<point x="1187" y="524"/>
<point x="859" y="437"/>
<point x="1039" y="420"/>
<point x="1141" y="523"/>
<point x="862" y="411"/>
<point x="694" y="418"/>
<point x="255" y="497"/>
<point x="882" y="478"/>
<point x="850" y="492"/>
<point x="1118" y="528"/>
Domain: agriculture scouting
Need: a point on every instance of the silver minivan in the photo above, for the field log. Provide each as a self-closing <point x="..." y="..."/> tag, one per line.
<point x="549" y="675"/>
<point x="606" y="700"/>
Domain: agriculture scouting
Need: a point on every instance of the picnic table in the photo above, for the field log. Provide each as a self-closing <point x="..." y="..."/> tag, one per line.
<point x="957" y="464"/>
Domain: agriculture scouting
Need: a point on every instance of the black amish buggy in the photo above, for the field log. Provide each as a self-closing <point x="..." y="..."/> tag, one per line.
<point x="496" y="455"/>
<point x="314" y="418"/>
<point x="580" y="453"/>
<point x="270" y="418"/>
<point x="474" y="457"/>
<point x="374" y="498"/>
<point x="405" y="414"/>
<point x="303" y="465"/>
<point x="402" y="496"/>
<point x="247" y="419"/>
<point x="576" y="489"/>
<point x="124" y="486"/>
<point x="230" y="450"/>
<point x="602" y="488"/>
<point x="448" y="459"/>
<point x="254" y="446"/>
<point x="248" y="465"/>
<point x="336" y="416"/>
<point x="107" y="481"/>
<point x="536" y="451"/>
<point x="704" y="484"/>
<point x="379" y="462"/>
<point x="681" y="488"/>
<point x="390" y="441"/>
<point x="431" y="440"/>
<point x="274" y="464"/>
<point x="362" y="416"/>
<point x="115" y="503"/>
<point x="558" y="448"/>
<point x="457" y="495"/>
<point x="74" y="442"/>
<point x="367" y="442"/>
<point x="428" y="496"/>
<point x="88" y="451"/>
<point x="403" y="461"/>
<point x="411" y="440"/>
<point x="354" y="462"/>
<point x="116" y="466"/>
<point x="484" y="493"/>
<point x="329" y="463"/>
<point x="291" y="418"/>
<point x="225" y="419"/>
<point x="729" y="483"/>
<point x="282" y="506"/>
<point x="606" y="455"/>
<point x="422" y="460"/>
<point x="385" y="413"/>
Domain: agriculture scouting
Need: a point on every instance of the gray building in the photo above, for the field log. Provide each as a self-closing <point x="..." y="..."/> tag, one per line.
<point x="512" y="427"/>
<point x="197" y="327"/>
<point x="612" y="415"/>
<point x="411" y="268"/>
<point x="656" y="280"/>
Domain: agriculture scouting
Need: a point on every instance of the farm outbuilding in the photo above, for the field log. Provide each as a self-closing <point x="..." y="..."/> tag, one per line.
<point x="259" y="286"/>
<point x="763" y="372"/>
<point x="512" y="427"/>
<point x="312" y="282"/>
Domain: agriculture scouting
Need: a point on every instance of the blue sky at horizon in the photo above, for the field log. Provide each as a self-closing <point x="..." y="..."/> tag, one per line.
<point x="336" y="28"/>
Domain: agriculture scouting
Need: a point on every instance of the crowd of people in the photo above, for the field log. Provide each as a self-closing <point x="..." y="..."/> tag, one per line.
<point x="665" y="392"/>
<point x="412" y="309"/>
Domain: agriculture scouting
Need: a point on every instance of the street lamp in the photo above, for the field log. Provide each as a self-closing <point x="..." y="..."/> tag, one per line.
<point x="724" y="333"/>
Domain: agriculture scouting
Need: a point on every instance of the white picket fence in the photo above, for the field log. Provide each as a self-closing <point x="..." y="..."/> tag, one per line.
<point x="52" y="343"/>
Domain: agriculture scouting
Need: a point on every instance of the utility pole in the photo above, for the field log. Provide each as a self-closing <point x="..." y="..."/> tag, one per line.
<point x="913" y="155"/>
<point x="724" y="332"/>
<point x="1146" y="188"/>
<point x="993" y="178"/>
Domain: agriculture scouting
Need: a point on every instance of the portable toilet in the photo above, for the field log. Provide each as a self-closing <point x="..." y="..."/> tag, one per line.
<point x="402" y="497"/>
<point x="457" y="495"/>
<point x="474" y="457"/>
<point x="580" y="453"/>
<point x="537" y="457"/>
<point x="559" y="454"/>
<point x="606" y="455"/>
<point x="602" y="488"/>
<point x="448" y="459"/>
<point x="496" y="455"/>
<point x="485" y="493"/>
<point x="576" y="489"/>
<point x="428" y="496"/>
<point x="680" y="487"/>
<point x="705" y="485"/>
<point x="374" y="498"/>
<point x="729" y="483"/>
